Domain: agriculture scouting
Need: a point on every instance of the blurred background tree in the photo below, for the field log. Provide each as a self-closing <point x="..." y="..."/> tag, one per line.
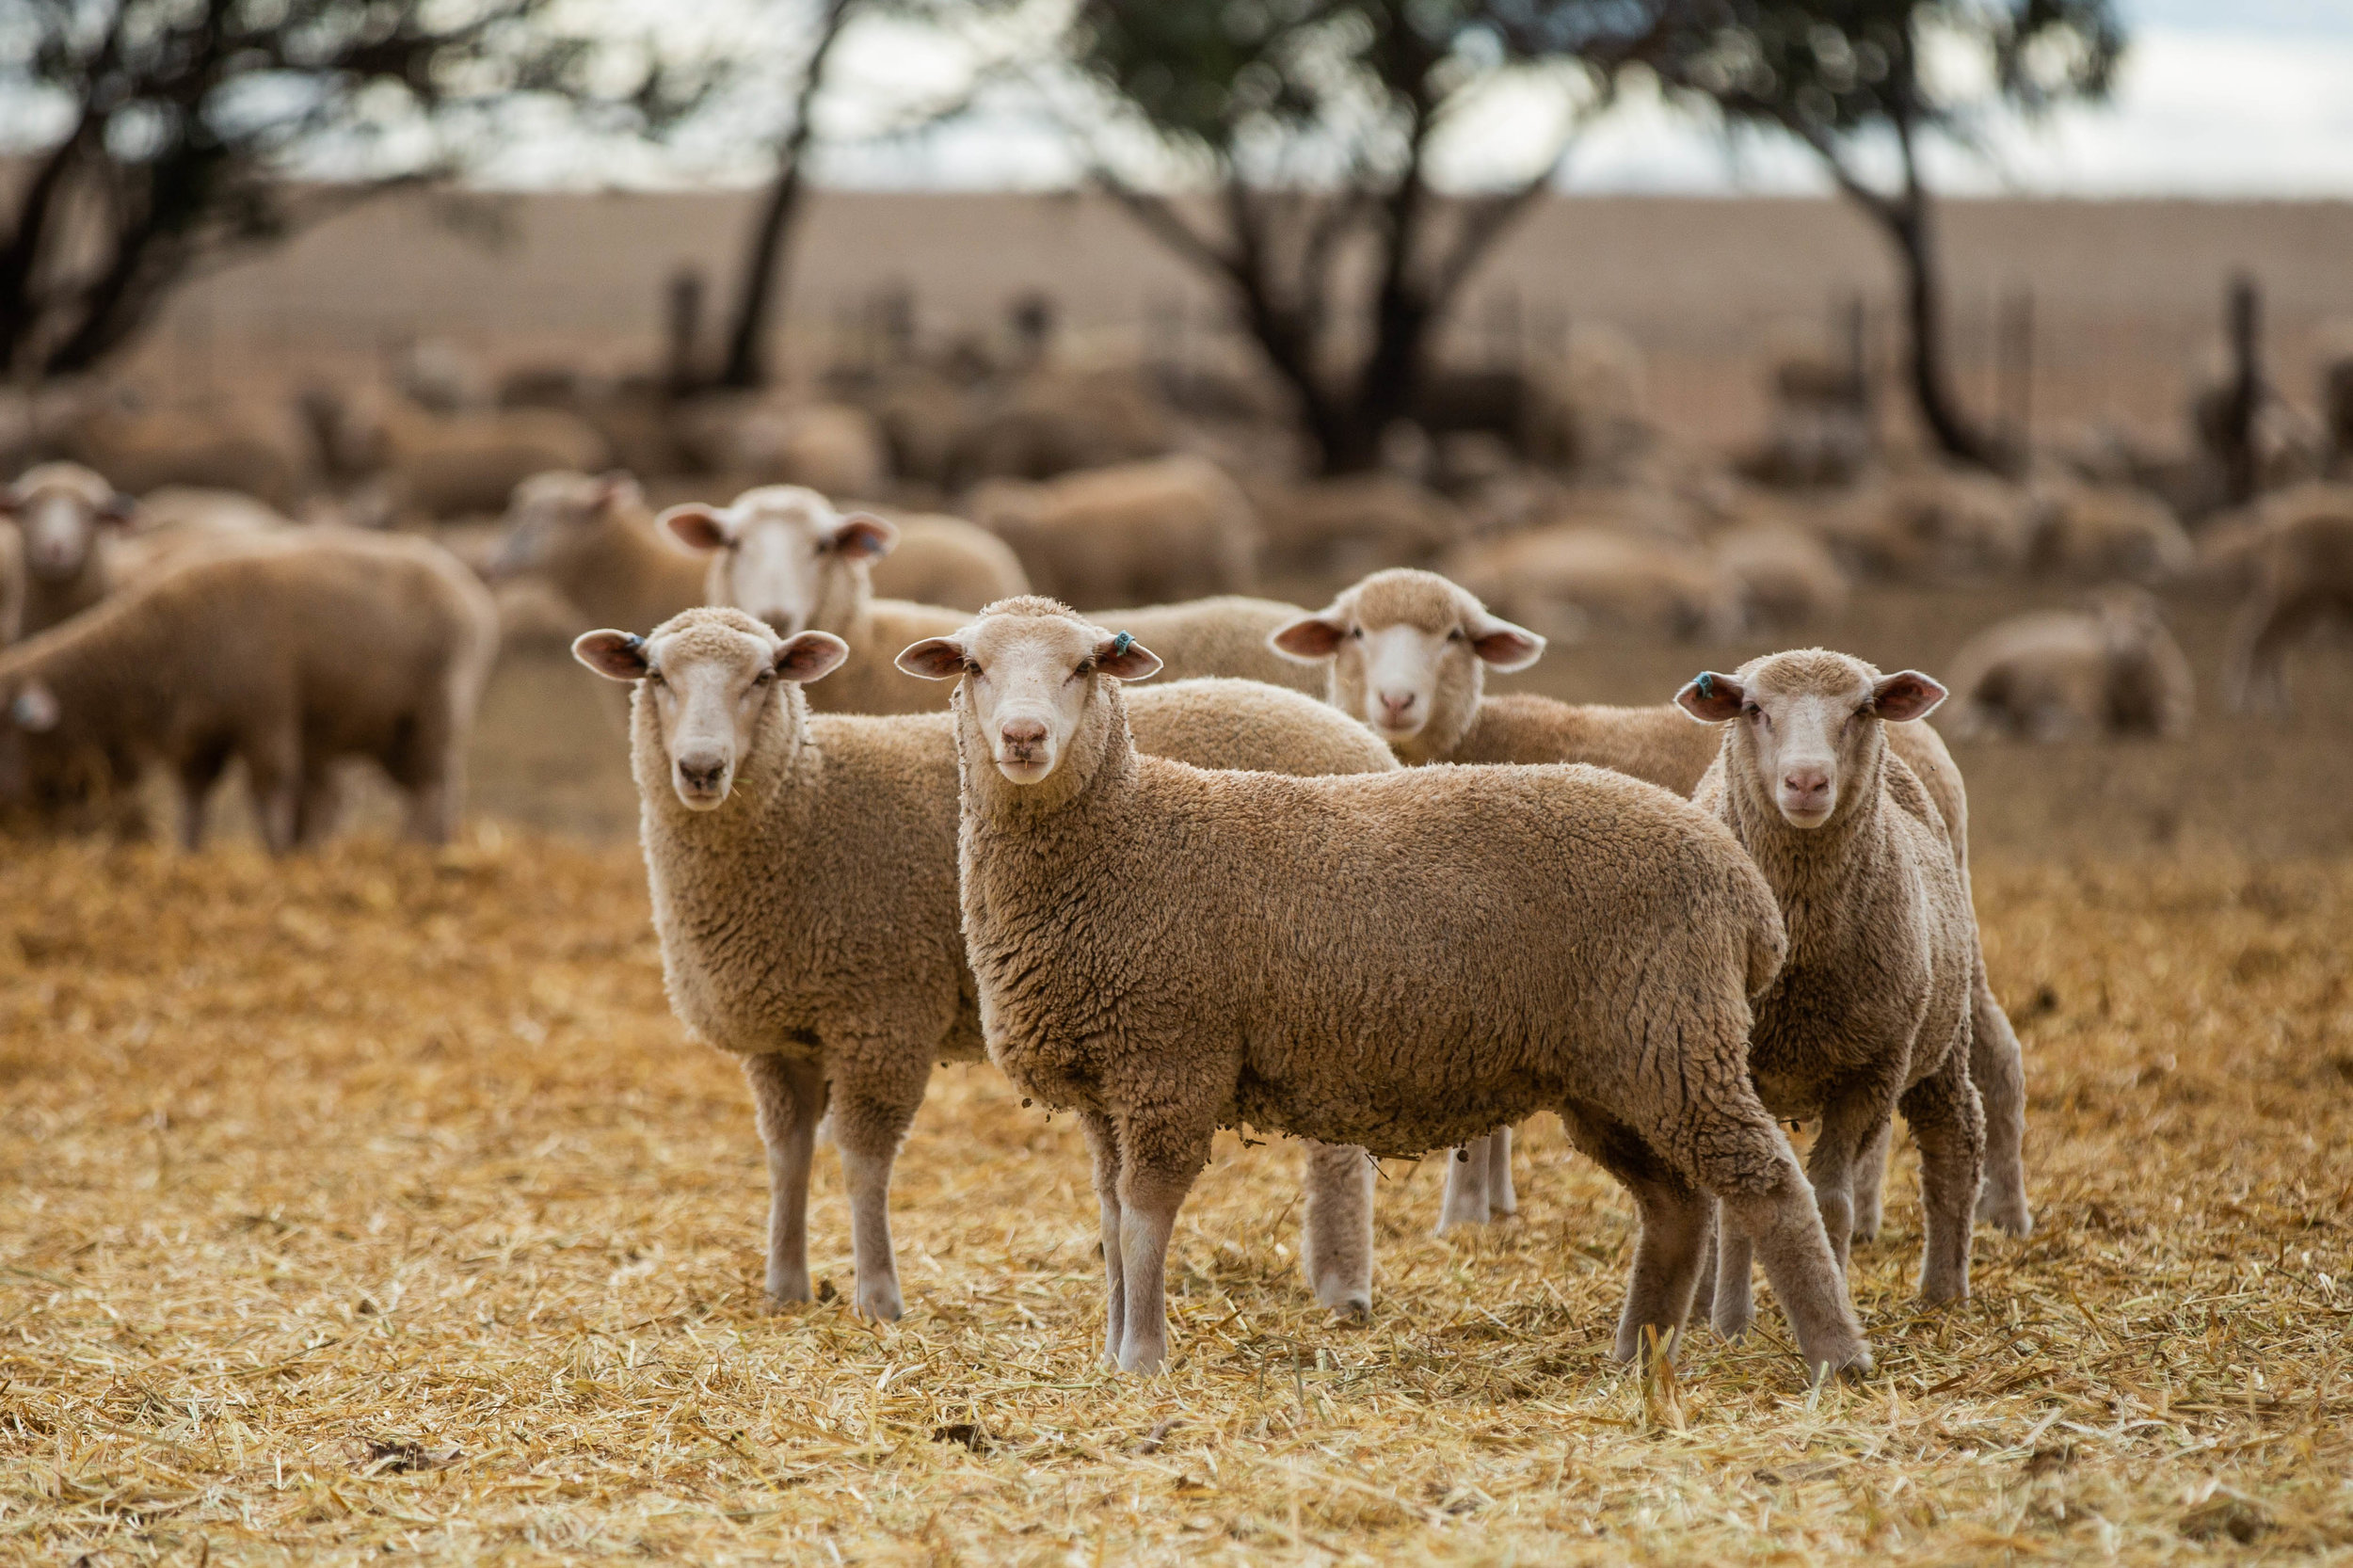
<point x="1868" y="85"/>
<point x="1318" y="122"/>
<point x="181" y="133"/>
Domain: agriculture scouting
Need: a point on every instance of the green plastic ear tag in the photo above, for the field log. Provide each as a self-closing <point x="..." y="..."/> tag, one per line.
<point x="1121" y="643"/>
<point x="1706" y="684"/>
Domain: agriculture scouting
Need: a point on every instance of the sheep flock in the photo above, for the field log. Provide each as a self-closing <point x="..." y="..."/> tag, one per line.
<point x="1044" y="722"/>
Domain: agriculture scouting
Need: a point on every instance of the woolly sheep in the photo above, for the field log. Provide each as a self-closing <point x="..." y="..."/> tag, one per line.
<point x="1358" y="522"/>
<point x="1059" y="420"/>
<point x="1146" y="532"/>
<point x="2100" y="531"/>
<point x="1871" y="1008"/>
<point x="1934" y="525"/>
<point x="1402" y="960"/>
<point x="440" y="466"/>
<point x="1563" y="580"/>
<point x="1408" y="652"/>
<point x="67" y="517"/>
<point x="738" y="779"/>
<point x="258" y="452"/>
<point x="787" y="555"/>
<point x="947" y="561"/>
<point x="827" y="447"/>
<point x="2302" y="555"/>
<point x="2109" y="669"/>
<point x="592" y="539"/>
<point x="290" y="653"/>
<point x="12" y="583"/>
<point x="1786" y="576"/>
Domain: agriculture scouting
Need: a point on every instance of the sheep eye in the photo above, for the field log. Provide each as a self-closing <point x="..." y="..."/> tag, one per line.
<point x="764" y="678"/>
<point x="655" y="677"/>
<point x="1455" y="635"/>
<point x="1355" y="633"/>
<point x="1086" y="666"/>
<point x="1754" y="711"/>
<point x="972" y="668"/>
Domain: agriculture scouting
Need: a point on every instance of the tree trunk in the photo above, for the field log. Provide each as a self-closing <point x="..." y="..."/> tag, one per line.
<point x="1907" y="226"/>
<point x="762" y="282"/>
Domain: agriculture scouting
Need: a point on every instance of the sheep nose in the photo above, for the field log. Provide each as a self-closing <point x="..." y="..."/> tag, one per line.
<point x="703" y="773"/>
<point x="1022" y="734"/>
<point x="1806" y="783"/>
<point x="1395" y="707"/>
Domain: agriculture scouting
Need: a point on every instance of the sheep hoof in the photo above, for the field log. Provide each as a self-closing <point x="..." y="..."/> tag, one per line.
<point x="881" y="1302"/>
<point x="2006" y="1211"/>
<point x="1354" y="1307"/>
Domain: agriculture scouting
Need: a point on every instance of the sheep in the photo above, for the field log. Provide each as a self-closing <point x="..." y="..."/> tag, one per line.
<point x="290" y="653"/>
<point x="1871" y="1008"/>
<point x="2110" y="669"/>
<point x="1140" y="533"/>
<point x="440" y="466"/>
<point x="1566" y="580"/>
<point x="1786" y="576"/>
<point x="256" y="452"/>
<point x="1401" y="961"/>
<point x="1934" y="525"/>
<point x="12" y="583"/>
<point x="827" y="447"/>
<point x="2100" y="531"/>
<point x="2302" y="555"/>
<point x="947" y="561"/>
<point x="67" y="516"/>
<point x="1364" y="521"/>
<point x="788" y="556"/>
<point x="1407" y="652"/>
<point x="1056" y="420"/>
<point x="739" y="780"/>
<point x="591" y="538"/>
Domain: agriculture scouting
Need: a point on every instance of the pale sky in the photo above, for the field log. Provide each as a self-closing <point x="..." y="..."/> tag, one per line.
<point x="2217" y="98"/>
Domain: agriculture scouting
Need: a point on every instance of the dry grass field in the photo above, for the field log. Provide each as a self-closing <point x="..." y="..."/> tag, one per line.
<point x="371" y="1203"/>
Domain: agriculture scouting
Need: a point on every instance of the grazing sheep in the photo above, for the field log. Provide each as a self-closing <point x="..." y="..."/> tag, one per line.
<point x="1564" y="581"/>
<point x="1358" y="524"/>
<point x="2110" y="669"/>
<point x="1056" y="420"/>
<point x="66" y="515"/>
<point x="1934" y="525"/>
<point x="1786" y="577"/>
<point x="1402" y="960"/>
<point x="788" y="556"/>
<point x="948" y="560"/>
<point x="2302" y="555"/>
<point x="592" y="539"/>
<point x="740" y="783"/>
<point x="440" y="466"/>
<point x="290" y="653"/>
<point x="255" y="452"/>
<point x="2096" y="533"/>
<point x="1871" y="1008"/>
<point x="830" y="448"/>
<point x="1138" y="533"/>
<point x="1408" y="652"/>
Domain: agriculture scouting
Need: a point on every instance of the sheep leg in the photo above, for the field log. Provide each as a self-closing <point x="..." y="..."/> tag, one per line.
<point x="1502" y="1199"/>
<point x="1103" y="1142"/>
<point x="1157" y="1162"/>
<point x="1336" y="1233"/>
<point x="429" y="766"/>
<point x="1870" y="1182"/>
<point x="788" y="1095"/>
<point x="870" y="1122"/>
<point x="1464" y="1200"/>
<point x="274" y="775"/>
<point x="1785" y="1228"/>
<point x="1998" y="1069"/>
<point x="2251" y="663"/>
<point x="320" y="806"/>
<point x="1853" y="1123"/>
<point x="1675" y="1218"/>
<point x="1733" y="1310"/>
<point x="197" y="774"/>
<point x="1948" y="1125"/>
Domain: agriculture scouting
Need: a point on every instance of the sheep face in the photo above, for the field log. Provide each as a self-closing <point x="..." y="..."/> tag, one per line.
<point x="1029" y="680"/>
<point x="31" y="711"/>
<point x="550" y="514"/>
<point x="60" y="508"/>
<point x="1806" y="726"/>
<point x="1406" y="648"/>
<point x="712" y="682"/>
<point x="781" y="553"/>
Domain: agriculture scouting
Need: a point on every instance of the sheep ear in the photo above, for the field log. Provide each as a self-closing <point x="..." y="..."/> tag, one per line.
<point x="933" y="659"/>
<point x="1711" y="699"/>
<point x="699" y="526"/>
<point x="1905" y="694"/>
<point x="614" y="655"/>
<point x="1309" y="640"/>
<point x="810" y="656"/>
<point x="1123" y="658"/>
<point x="35" y="707"/>
<point x="1502" y="646"/>
<point x="863" y="536"/>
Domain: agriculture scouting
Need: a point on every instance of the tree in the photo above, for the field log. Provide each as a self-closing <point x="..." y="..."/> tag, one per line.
<point x="1852" y="77"/>
<point x="186" y="132"/>
<point x="1316" y="122"/>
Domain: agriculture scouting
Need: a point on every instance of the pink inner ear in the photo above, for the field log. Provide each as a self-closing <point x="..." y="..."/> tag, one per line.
<point x="1311" y="638"/>
<point x="696" y="527"/>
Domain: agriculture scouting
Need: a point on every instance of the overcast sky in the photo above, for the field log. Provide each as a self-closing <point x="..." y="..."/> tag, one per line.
<point x="2217" y="98"/>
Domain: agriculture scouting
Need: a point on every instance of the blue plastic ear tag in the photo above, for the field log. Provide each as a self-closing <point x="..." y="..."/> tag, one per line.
<point x="1121" y="643"/>
<point x="1706" y="684"/>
